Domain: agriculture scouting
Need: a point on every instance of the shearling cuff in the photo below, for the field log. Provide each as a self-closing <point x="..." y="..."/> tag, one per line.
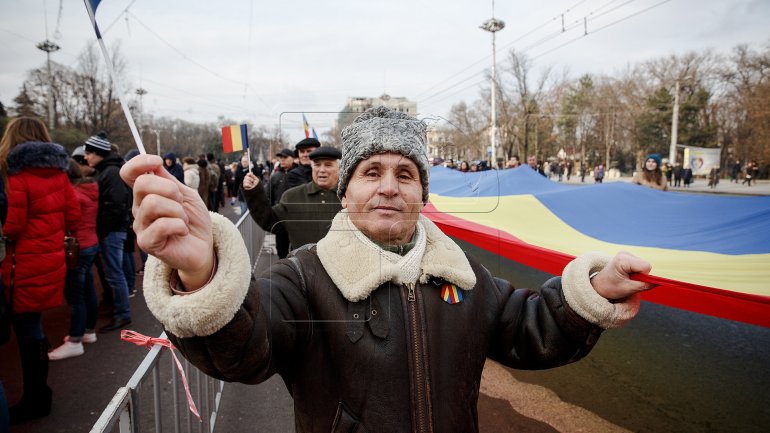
<point x="205" y="311"/>
<point x="583" y="299"/>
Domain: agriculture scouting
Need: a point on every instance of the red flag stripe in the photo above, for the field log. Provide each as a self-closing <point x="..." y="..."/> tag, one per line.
<point x="227" y="140"/>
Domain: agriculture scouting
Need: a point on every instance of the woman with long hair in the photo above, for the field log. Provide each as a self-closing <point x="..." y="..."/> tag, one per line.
<point x="41" y="206"/>
<point x="651" y="175"/>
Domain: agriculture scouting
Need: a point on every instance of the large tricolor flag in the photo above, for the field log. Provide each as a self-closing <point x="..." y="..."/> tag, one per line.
<point x="308" y="128"/>
<point x="234" y="138"/>
<point x="710" y="254"/>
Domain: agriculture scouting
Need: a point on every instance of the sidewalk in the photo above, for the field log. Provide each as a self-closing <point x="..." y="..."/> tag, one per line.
<point x="757" y="188"/>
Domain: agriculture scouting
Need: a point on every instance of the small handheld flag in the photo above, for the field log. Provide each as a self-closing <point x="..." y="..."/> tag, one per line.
<point x="308" y="128"/>
<point x="305" y="126"/>
<point x="234" y="138"/>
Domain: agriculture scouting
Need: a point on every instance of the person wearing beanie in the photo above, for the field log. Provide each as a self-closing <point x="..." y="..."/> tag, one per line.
<point x="651" y="176"/>
<point x="305" y="211"/>
<point x="303" y="173"/>
<point x="112" y="221"/>
<point x="385" y="324"/>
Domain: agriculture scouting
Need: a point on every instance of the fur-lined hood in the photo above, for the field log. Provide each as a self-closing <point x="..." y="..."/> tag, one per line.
<point x="37" y="154"/>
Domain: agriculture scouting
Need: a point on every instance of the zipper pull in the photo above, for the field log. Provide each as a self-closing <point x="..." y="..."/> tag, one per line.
<point x="410" y="297"/>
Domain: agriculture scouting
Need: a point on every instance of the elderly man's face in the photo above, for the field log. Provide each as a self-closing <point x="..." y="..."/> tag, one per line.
<point x="304" y="155"/>
<point x="384" y="198"/>
<point x="326" y="173"/>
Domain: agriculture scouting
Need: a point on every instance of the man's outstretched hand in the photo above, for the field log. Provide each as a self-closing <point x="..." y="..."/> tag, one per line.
<point x="170" y="220"/>
<point x="614" y="282"/>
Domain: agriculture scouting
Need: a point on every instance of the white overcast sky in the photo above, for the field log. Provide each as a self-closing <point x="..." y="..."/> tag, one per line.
<point x="252" y="60"/>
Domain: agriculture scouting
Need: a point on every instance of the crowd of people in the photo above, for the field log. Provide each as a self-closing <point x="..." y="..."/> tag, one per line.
<point x="379" y="293"/>
<point x="558" y="170"/>
<point x="47" y="194"/>
<point x="654" y="173"/>
<point x="362" y="257"/>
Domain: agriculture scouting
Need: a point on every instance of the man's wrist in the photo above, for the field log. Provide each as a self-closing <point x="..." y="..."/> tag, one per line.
<point x="194" y="280"/>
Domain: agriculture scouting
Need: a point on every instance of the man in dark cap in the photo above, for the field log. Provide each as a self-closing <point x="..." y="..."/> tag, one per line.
<point x="303" y="173"/>
<point x="305" y="211"/>
<point x="278" y="182"/>
<point x="112" y="222"/>
<point x="274" y="192"/>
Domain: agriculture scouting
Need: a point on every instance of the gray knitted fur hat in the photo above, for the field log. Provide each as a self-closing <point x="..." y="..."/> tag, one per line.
<point x="380" y="130"/>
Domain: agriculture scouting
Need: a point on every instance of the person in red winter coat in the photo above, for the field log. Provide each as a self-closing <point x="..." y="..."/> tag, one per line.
<point x="79" y="289"/>
<point x="41" y="206"/>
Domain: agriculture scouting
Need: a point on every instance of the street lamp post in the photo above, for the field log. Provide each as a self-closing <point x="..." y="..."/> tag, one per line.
<point x="49" y="47"/>
<point x="674" y="127"/>
<point x="493" y="26"/>
<point x="141" y="92"/>
<point x="157" y="139"/>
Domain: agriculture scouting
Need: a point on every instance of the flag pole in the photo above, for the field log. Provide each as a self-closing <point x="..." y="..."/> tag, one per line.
<point x="115" y="81"/>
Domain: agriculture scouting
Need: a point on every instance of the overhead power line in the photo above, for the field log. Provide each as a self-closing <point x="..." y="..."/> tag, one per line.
<point x="195" y="62"/>
<point x="485" y="58"/>
<point x="575" y="24"/>
<point x="601" y="28"/>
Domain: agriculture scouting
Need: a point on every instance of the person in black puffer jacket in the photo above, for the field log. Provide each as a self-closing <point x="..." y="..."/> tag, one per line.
<point x="112" y="222"/>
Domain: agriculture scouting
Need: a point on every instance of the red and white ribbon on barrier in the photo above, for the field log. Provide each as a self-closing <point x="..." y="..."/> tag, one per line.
<point x="148" y="342"/>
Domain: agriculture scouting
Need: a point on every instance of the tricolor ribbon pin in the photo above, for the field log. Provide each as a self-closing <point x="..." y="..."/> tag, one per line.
<point x="451" y="294"/>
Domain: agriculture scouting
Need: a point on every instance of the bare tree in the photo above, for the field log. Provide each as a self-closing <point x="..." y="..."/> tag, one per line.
<point x="524" y="101"/>
<point x="747" y="103"/>
<point x="469" y="127"/>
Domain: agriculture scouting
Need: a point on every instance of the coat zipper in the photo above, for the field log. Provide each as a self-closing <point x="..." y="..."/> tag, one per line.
<point x="422" y="398"/>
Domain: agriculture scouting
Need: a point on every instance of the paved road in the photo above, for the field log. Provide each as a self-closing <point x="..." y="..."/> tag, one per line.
<point x="761" y="187"/>
<point x="669" y="371"/>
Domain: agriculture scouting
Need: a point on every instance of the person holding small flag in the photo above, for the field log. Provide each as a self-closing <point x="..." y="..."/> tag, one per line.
<point x="385" y="324"/>
<point x="305" y="211"/>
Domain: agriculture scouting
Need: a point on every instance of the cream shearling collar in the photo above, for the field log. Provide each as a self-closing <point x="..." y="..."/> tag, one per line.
<point x="358" y="270"/>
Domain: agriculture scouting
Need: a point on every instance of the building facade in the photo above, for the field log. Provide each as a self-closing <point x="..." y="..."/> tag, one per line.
<point x="359" y="104"/>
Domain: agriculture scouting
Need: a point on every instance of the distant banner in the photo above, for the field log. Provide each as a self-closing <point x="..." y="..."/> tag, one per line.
<point x="701" y="159"/>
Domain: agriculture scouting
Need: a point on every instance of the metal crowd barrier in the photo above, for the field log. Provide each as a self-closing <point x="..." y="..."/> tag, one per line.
<point x="131" y="410"/>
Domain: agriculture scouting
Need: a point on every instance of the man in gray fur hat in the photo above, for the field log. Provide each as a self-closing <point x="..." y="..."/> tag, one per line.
<point x="385" y="324"/>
